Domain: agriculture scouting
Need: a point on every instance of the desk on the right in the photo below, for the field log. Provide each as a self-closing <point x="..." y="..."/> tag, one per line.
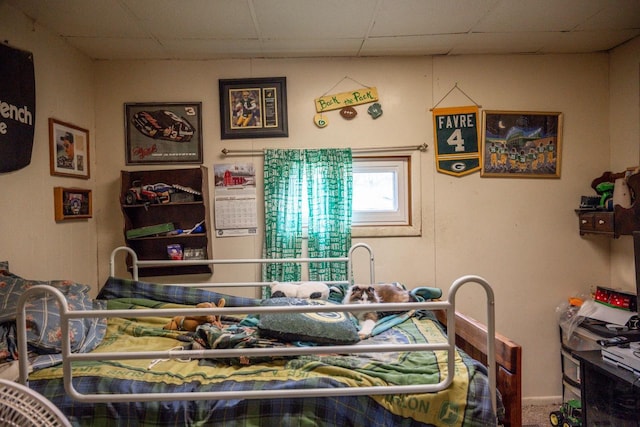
<point x="610" y="394"/>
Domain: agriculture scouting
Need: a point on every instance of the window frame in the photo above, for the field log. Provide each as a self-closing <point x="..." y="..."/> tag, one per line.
<point x="376" y="224"/>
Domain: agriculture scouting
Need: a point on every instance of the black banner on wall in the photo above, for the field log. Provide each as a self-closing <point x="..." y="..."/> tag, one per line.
<point x="17" y="108"/>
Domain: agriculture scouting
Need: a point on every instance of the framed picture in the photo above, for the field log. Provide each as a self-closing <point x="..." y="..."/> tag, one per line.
<point x="158" y="133"/>
<point x="72" y="203"/>
<point x="521" y="144"/>
<point x="68" y="150"/>
<point x="253" y="108"/>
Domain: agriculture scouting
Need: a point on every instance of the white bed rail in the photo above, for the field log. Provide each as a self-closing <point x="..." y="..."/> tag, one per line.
<point x="136" y="263"/>
<point x="68" y="357"/>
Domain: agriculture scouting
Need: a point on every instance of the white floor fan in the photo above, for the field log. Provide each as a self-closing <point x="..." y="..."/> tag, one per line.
<point x="22" y="407"/>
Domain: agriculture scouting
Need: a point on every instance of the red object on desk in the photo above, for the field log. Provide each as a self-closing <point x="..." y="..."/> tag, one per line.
<point x="615" y="298"/>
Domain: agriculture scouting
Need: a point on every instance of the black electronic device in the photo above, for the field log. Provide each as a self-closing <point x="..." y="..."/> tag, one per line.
<point x="589" y="202"/>
<point x="615" y="341"/>
<point x="600" y="328"/>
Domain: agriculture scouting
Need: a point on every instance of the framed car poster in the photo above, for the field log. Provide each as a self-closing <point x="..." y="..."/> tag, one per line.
<point x="159" y="133"/>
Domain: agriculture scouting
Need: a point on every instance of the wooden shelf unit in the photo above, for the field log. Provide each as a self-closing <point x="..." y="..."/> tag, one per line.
<point x="183" y="215"/>
<point x="621" y="221"/>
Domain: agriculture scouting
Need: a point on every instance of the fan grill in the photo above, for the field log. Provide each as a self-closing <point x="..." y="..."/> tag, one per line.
<point x="22" y="407"/>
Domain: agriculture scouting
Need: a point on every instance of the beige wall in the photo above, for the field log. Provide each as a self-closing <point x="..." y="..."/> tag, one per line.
<point x="34" y="244"/>
<point x="520" y="234"/>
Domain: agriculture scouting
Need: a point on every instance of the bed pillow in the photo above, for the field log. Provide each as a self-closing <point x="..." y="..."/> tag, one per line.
<point x="333" y="328"/>
<point x="43" y="315"/>
<point x="116" y="287"/>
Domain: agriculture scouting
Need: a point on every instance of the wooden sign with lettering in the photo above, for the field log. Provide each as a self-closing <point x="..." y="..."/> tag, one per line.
<point x="346" y="99"/>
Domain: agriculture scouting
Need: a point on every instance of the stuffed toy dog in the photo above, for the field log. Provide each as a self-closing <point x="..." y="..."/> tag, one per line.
<point x="191" y="323"/>
<point x="304" y="290"/>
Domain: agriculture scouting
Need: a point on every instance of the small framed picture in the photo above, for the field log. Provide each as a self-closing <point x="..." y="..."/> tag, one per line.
<point x="163" y="133"/>
<point x="68" y="150"/>
<point x="521" y="144"/>
<point x="72" y="203"/>
<point x="253" y="108"/>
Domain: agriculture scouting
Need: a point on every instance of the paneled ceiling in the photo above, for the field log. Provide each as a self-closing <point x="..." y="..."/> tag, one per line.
<point x="216" y="29"/>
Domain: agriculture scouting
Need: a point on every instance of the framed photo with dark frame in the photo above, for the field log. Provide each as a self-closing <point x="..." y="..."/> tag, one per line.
<point x="163" y="133"/>
<point x="253" y="108"/>
<point x="68" y="150"/>
<point x="521" y="144"/>
<point x="72" y="203"/>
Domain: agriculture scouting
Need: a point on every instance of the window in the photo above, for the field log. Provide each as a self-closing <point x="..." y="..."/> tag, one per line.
<point x="381" y="191"/>
<point x="385" y="197"/>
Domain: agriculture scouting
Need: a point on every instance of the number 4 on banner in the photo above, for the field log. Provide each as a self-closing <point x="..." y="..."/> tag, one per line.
<point x="456" y="140"/>
<point x="456" y="135"/>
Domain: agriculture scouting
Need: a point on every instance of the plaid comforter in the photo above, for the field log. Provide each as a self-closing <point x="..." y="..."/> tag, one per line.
<point x="465" y="403"/>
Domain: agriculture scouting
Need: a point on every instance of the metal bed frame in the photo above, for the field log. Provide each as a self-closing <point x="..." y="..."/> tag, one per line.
<point x="448" y="306"/>
<point x="136" y="263"/>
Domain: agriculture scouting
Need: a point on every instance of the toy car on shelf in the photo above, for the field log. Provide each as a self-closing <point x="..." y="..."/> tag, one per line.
<point x="140" y="194"/>
<point x="159" y="193"/>
<point x="163" y="191"/>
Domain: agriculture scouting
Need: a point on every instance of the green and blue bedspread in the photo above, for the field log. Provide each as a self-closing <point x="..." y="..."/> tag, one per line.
<point x="465" y="403"/>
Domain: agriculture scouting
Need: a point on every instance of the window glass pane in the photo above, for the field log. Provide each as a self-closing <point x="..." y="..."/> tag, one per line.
<point x="374" y="191"/>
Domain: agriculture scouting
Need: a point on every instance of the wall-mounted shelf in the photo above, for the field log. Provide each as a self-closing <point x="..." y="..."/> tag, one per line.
<point x="182" y="215"/>
<point x="620" y="221"/>
<point x="596" y="222"/>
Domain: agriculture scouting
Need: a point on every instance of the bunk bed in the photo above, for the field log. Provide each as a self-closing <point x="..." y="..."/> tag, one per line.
<point x="115" y="364"/>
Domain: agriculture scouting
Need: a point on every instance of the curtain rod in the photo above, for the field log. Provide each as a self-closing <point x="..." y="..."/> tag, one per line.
<point x="422" y="148"/>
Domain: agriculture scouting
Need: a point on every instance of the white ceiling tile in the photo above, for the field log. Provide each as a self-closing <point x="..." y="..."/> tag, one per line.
<point x="105" y="18"/>
<point x="538" y="15"/>
<point x="617" y="14"/>
<point x="410" y="45"/>
<point x="119" y="48"/>
<point x="311" y="48"/>
<point x="211" y="49"/>
<point x="482" y="43"/>
<point x="292" y="19"/>
<point x="221" y="19"/>
<point x="588" y="41"/>
<point x="420" y="17"/>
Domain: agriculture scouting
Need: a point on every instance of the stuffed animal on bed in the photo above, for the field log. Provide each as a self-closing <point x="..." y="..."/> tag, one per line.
<point x="304" y="290"/>
<point x="191" y="323"/>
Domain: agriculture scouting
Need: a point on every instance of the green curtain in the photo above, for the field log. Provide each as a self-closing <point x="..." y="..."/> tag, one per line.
<point x="283" y="171"/>
<point x="329" y="175"/>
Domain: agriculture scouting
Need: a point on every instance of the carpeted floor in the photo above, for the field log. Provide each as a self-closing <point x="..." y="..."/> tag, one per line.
<point x="537" y="415"/>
